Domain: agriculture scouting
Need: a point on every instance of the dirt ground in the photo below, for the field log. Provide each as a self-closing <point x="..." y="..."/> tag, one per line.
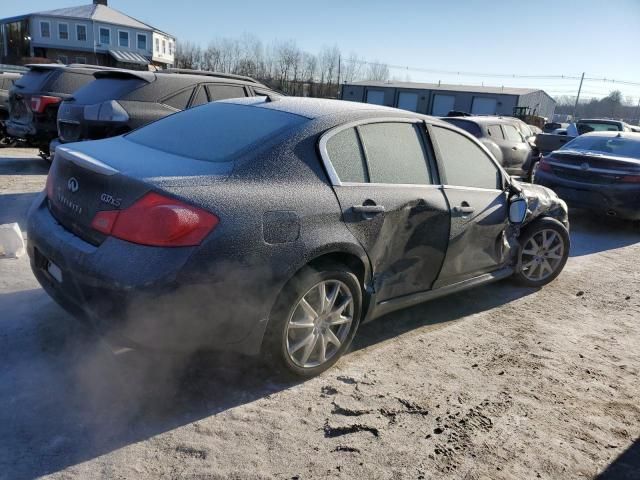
<point x="500" y="382"/>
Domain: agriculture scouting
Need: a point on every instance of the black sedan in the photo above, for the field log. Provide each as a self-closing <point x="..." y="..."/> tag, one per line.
<point x="278" y="225"/>
<point x="599" y="171"/>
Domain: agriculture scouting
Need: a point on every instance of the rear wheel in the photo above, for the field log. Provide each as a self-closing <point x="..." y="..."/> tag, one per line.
<point x="315" y="320"/>
<point x="544" y="250"/>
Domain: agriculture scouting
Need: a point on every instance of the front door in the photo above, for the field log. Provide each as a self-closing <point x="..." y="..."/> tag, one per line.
<point x="479" y="207"/>
<point x="386" y="187"/>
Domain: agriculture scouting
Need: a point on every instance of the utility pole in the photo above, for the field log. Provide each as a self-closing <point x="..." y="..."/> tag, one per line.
<point x="338" y="93"/>
<point x="575" y="107"/>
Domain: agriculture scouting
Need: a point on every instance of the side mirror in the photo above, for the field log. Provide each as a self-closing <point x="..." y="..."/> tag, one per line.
<point x="517" y="210"/>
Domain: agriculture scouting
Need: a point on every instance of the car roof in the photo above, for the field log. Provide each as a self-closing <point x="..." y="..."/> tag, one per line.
<point x="313" y="108"/>
<point x="606" y="133"/>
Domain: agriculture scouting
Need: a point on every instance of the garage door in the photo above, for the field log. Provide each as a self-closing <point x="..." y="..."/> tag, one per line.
<point x="408" y="101"/>
<point x="484" y="106"/>
<point x="442" y="104"/>
<point x="375" y="96"/>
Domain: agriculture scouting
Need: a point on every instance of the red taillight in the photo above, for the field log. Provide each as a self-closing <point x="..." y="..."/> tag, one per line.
<point x="630" y="179"/>
<point x="544" y="166"/>
<point x="40" y="102"/>
<point x="157" y="221"/>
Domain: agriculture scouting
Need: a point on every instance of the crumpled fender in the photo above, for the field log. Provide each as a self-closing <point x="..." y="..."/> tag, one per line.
<point x="543" y="202"/>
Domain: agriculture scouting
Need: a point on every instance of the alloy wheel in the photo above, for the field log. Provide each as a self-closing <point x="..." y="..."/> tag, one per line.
<point x="542" y="255"/>
<point x="319" y="323"/>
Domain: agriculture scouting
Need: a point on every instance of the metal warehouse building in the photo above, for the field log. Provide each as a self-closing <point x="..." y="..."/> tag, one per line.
<point x="439" y="99"/>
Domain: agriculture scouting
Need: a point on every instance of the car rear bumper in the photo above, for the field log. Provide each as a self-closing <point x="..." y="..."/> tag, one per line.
<point x="615" y="199"/>
<point x="140" y="294"/>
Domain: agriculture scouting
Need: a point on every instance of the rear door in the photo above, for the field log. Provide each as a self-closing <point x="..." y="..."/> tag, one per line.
<point x="473" y="185"/>
<point x="518" y="148"/>
<point x="385" y="179"/>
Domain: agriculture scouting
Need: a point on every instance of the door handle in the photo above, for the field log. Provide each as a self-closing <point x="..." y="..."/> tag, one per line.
<point x="463" y="209"/>
<point x="514" y="148"/>
<point x="369" y="209"/>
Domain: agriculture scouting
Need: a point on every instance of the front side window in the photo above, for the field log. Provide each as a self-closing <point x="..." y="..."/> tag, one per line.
<point x="81" y="33"/>
<point x="465" y="163"/>
<point x="142" y="42"/>
<point x="45" y="29"/>
<point x="347" y="157"/>
<point x="63" y="31"/>
<point x="105" y="36"/>
<point x="123" y="39"/>
<point x="395" y="153"/>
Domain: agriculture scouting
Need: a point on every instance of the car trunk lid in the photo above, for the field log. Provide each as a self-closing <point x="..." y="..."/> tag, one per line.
<point x="112" y="174"/>
<point x="591" y="167"/>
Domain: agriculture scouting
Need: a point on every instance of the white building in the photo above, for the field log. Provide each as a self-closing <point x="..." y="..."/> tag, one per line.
<point x="94" y="33"/>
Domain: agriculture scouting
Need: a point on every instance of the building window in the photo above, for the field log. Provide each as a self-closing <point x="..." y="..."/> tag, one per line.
<point x="81" y="59"/>
<point x="63" y="59"/>
<point x="158" y="45"/>
<point x="142" y="42"/>
<point x="105" y="36"/>
<point x="170" y="48"/>
<point x="63" y="31"/>
<point x="164" y="47"/>
<point x="45" y="29"/>
<point x="123" y="38"/>
<point x="81" y="33"/>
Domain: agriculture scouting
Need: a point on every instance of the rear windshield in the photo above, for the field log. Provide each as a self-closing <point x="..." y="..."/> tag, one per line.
<point x="69" y="82"/>
<point x="618" y="146"/>
<point x="103" y="89"/>
<point x="33" y="80"/>
<point x="214" y="132"/>
<point x="586" y="127"/>
<point x="466" y="125"/>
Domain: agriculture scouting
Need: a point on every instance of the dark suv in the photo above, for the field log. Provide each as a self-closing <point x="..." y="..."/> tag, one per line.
<point x="35" y="98"/>
<point x="121" y="100"/>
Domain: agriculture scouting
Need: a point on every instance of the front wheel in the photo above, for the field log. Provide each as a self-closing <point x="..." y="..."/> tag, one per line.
<point x="314" y="320"/>
<point x="544" y="250"/>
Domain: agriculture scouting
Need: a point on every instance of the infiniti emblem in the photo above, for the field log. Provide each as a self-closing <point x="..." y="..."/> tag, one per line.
<point x="584" y="166"/>
<point x="73" y="185"/>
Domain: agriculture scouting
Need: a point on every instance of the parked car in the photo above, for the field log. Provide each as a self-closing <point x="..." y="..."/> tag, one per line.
<point x="278" y="226"/>
<point x="121" y="100"/>
<point x="599" y="171"/>
<point x="7" y="80"/>
<point x="502" y="139"/>
<point x="548" y="142"/>
<point x="35" y="97"/>
<point x="551" y="126"/>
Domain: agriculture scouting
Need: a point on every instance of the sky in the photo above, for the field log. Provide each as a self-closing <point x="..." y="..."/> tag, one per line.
<point x="542" y="38"/>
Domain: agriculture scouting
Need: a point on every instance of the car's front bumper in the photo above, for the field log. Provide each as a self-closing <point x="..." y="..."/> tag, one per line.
<point x="139" y="294"/>
<point x="620" y="200"/>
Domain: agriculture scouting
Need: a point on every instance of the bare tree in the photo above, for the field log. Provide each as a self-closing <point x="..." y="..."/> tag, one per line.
<point x="188" y="55"/>
<point x="352" y="68"/>
<point x="378" y="71"/>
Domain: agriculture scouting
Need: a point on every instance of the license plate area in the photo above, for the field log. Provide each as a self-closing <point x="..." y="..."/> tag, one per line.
<point x="53" y="271"/>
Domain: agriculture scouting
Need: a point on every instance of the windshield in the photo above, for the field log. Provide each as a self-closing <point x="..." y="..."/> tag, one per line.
<point x="103" y="89"/>
<point x="618" y="146"/>
<point x="214" y="132"/>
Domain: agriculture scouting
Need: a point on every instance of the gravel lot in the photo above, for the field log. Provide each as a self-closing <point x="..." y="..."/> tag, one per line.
<point x="498" y="382"/>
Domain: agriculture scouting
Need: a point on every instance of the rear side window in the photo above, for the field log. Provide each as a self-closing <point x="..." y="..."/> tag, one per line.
<point x="465" y="163"/>
<point x="467" y="126"/>
<point x="180" y="100"/>
<point x="214" y="132"/>
<point x="103" y="89"/>
<point x="222" y="92"/>
<point x="33" y="80"/>
<point x="395" y="153"/>
<point x="495" y="132"/>
<point x="512" y="133"/>
<point x="347" y="157"/>
<point x="69" y="82"/>
<point x="200" y="98"/>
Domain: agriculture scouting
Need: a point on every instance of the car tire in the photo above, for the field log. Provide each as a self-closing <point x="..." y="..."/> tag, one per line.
<point x="543" y="252"/>
<point x="301" y="330"/>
